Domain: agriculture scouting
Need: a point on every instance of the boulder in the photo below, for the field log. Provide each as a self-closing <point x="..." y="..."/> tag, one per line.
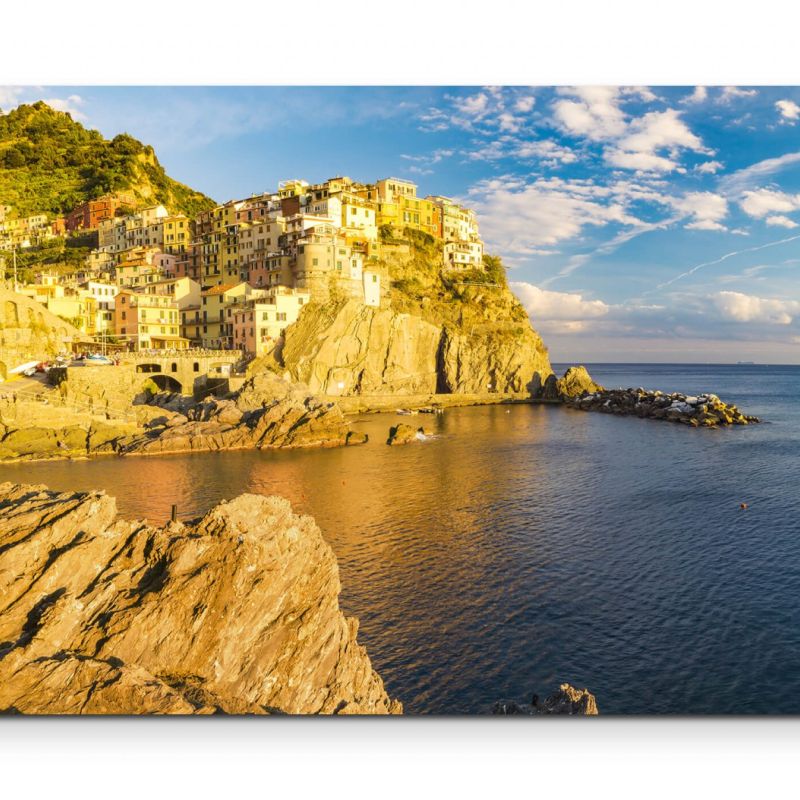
<point x="575" y="382"/>
<point x="567" y="700"/>
<point x="405" y="434"/>
<point x="237" y="612"/>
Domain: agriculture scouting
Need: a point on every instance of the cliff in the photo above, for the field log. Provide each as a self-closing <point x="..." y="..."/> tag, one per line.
<point x="235" y="613"/>
<point x="50" y="163"/>
<point x="459" y="333"/>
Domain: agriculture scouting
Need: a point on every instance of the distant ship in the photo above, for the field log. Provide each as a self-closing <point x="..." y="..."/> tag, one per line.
<point x="745" y="362"/>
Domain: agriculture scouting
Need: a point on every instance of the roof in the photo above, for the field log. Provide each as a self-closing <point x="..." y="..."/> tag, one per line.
<point x="220" y="289"/>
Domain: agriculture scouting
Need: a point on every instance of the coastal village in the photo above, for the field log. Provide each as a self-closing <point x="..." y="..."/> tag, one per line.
<point x="234" y="277"/>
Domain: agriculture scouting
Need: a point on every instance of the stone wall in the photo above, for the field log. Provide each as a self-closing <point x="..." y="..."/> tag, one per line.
<point x="29" y="332"/>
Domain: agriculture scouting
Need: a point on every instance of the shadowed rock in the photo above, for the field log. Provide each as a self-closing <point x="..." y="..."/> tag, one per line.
<point x="567" y="700"/>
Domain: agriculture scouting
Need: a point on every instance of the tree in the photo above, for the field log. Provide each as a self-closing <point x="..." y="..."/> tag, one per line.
<point x="13" y="158"/>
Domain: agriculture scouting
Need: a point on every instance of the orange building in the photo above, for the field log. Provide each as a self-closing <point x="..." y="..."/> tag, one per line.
<point x="89" y="215"/>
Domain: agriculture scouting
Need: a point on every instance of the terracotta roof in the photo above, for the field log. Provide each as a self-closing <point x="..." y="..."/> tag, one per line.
<point x="221" y="289"/>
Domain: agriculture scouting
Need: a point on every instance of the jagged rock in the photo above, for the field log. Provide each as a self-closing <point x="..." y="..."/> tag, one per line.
<point x="405" y="434"/>
<point x="237" y="612"/>
<point x="567" y="700"/>
<point x="575" y="382"/>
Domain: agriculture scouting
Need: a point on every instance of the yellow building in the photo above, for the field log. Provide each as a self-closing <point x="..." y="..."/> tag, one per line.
<point x="216" y="312"/>
<point x="176" y="232"/>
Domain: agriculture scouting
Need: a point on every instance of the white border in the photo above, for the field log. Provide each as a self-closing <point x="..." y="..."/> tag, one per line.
<point x="359" y="42"/>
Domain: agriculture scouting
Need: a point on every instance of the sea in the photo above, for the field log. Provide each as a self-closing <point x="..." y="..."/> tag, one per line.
<point x="523" y="546"/>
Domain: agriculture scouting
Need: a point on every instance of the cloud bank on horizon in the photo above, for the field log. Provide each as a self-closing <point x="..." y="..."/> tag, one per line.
<point x="639" y="223"/>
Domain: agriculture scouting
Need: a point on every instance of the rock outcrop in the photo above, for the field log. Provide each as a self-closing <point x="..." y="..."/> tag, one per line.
<point x="405" y="434"/>
<point x="268" y="412"/>
<point x="234" y="613"/>
<point x="705" y="410"/>
<point x="567" y="700"/>
<point x="575" y="382"/>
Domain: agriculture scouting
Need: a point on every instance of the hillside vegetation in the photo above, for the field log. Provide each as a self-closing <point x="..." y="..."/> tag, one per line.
<point x="49" y="163"/>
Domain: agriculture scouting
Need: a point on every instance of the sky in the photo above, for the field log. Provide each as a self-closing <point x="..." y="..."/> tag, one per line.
<point x="637" y="223"/>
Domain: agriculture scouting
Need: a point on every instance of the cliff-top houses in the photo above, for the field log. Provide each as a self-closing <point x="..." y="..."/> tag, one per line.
<point x="237" y="275"/>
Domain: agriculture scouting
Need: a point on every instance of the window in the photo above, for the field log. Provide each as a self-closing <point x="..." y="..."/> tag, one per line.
<point x="281" y="316"/>
<point x="174" y="367"/>
<point x="315" y="262"/>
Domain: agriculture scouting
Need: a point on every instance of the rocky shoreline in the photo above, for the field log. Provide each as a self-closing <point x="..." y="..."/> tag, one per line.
<point x="271" y="412"/>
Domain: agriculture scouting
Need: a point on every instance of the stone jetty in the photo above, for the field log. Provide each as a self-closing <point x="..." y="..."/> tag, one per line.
<point x="700" y="411"/>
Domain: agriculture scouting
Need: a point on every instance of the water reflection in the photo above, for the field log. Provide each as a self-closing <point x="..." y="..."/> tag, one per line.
<point x="528" y="545"/>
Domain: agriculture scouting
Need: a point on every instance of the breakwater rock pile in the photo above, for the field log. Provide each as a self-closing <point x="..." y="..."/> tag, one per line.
<point x="705" y="410"/>
<point x="235" y="613"/>
<point x="567" y="700"/>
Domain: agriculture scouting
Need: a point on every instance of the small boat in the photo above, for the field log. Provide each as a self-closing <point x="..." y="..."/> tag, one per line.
<point x="405" y="412"/>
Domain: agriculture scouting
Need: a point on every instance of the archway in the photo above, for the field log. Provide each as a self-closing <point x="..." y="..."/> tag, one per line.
<point x="167" y="383"/>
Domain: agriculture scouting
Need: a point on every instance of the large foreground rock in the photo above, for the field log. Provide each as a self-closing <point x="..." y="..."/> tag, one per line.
<point x="237" y="612"/>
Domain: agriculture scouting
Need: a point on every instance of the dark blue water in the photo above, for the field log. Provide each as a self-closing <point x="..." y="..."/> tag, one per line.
<point x="530" y="545"/>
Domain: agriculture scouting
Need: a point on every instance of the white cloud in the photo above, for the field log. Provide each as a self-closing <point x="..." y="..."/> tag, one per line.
<point x="525" y="104"/>
<point x="475" y="106"/>
<point x="781" y="221"/>
<point x="761" y="202"/>
<point x="516" y="216"/>
<point x="508" y="122"/>
<point x="659" y="130"/>
<point x="70" y="105"/>
<point x="699" y="95"/>
<point x="568" y="310"/>
<point x="749" y="177"/>
<point x="9" y="97"/>
<point x="546" y="149"/>
<point x="649" y="143"/>
<point x="641" y="162"/>
<point x="595" y="113"/>
<point x="731" y="93"/>
<point x="706" y="209"/>
<point x="749" y="308"/>
<point x="789" y="110"/>
<point x="644" y="93"/>
<point x="709" y="167"/>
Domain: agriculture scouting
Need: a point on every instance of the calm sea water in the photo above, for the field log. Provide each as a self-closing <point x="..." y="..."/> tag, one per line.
<point x="529" y="545"/>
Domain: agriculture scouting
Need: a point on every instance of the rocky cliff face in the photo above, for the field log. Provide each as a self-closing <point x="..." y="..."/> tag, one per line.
<point x="459" y="340"/>
<point x="235" y="613"/>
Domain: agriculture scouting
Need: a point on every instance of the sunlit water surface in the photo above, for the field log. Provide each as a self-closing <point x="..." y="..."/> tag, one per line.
<point x="529" y="545"/>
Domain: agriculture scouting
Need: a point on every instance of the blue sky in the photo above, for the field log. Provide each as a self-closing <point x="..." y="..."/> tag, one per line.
<point x="638" y="223"/>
